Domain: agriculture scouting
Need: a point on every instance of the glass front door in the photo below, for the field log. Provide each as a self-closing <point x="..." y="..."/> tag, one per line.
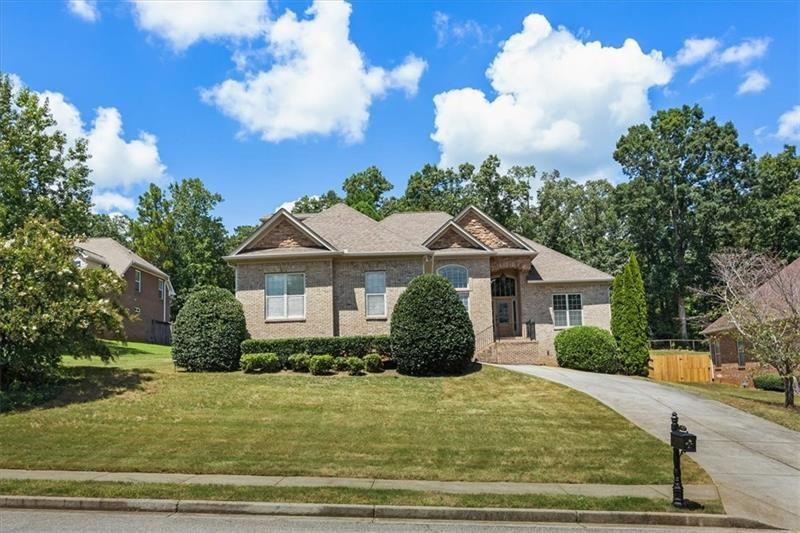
<point x="504" y="314"/>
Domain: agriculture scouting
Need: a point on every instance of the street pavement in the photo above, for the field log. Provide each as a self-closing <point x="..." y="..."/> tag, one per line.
<point x="754" y="463"/>
<point x="24" y="521"/>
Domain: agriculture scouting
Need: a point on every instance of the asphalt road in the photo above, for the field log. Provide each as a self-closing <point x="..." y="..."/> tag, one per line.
<point x="18" y="521"/>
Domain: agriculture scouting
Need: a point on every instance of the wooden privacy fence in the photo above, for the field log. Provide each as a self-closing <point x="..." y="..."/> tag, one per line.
<point x="681" y="367"/>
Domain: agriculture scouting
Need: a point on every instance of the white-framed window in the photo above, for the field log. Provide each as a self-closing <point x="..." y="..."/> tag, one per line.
<point x="458" y="276"/>
<point x="161" y="290"/>
<point x="567" y="310"/>
<point x="285" y="296"/>
<point x="375" y="290"/>
<point x="137" y="280"/>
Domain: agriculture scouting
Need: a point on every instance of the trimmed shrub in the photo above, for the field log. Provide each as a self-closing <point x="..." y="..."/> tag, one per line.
<point x="355" y="366"/>
<point x="320" y="365"/>
<point x="769" y="382"/>
<point x="208" y="331"/>
<point x="260" y="362"/>
<point x="587" y="348"/>
<point x="356" y="346"/>
<point x="298" y="362"/>
<point x="373" y="363"/>
<point x="431" y="331"/>
<point x="340" y="364"/>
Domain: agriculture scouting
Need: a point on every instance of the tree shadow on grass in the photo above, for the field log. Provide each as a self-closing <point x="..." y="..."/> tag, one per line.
<point x="80" y="384"/>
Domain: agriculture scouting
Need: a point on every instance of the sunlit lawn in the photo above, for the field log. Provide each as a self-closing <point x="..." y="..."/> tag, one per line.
<point x="139" y="414"/>
<point x="766" y="404"/>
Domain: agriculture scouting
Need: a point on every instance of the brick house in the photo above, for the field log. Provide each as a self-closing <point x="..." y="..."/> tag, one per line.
<point x="148" y="291"/>
<point x="340" y="272"/>
<point x="732" y="364"/>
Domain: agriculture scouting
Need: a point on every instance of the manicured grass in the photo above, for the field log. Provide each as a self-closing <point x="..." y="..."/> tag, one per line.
<point x="766" y="404"/>
<point x="141" y="415"/>
<point x="329" y="495"/>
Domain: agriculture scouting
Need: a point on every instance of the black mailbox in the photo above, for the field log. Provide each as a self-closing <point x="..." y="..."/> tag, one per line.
<point x="683" y="440"/>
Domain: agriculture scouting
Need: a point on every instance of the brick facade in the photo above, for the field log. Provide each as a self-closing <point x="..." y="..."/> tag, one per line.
<point x="350" y="316"/>
<point x="537" y="300"/>
<point x="318" y="322"/>
<point x="480" y="290"/>
<point x="150" y="306"/>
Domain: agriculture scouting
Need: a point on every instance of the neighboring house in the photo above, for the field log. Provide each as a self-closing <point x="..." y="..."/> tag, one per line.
<point x="148" y="290"/>
<point x="732" y="363"/>
<point x="340" y="272"/>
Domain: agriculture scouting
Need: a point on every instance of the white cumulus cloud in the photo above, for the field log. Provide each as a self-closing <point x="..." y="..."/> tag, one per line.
<point x="695" y="50"/>
<point x="754" y="82"/>
<point x="115" y="162"/>
<point x="84" y="9"/>
<point x="561" y="103"/>
<point x="318" y="82"/>
<point x="745" y="52"/>
<point x="112" y="202"/>
<point x="789" y="125"/>
<point x="184" y="22"/>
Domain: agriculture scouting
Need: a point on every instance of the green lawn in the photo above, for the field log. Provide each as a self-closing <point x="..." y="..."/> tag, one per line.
<point x="95" y="489"/>
<point x="139" y="414"/>
<point x="766" y="404"/>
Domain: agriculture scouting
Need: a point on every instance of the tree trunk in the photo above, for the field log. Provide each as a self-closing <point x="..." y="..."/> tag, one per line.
<point x="788" y="392"/>
<point x="684" y="334"/>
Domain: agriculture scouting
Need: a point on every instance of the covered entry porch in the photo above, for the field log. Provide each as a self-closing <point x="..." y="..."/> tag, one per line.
<point x="508" y="275"/>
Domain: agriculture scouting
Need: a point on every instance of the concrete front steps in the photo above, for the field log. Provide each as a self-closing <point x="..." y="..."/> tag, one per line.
<point x="514" y="351"/>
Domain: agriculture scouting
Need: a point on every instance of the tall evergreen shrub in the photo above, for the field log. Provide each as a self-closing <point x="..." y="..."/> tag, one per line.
<point x="629" y="319"/>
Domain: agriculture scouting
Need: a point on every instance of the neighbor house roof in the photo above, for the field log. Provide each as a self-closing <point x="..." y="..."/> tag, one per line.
<point x="117" y="257"/>
<point x="550" y="266"/>
<point x="766" y="292"/>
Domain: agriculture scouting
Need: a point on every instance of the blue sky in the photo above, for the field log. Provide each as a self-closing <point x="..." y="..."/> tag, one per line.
<point x="266" y="106"/>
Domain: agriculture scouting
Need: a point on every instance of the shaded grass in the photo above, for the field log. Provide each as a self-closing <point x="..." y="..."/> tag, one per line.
<point x="766" y="404"/>
<point x="337" y="495"/>
<point x="490" y="425"/>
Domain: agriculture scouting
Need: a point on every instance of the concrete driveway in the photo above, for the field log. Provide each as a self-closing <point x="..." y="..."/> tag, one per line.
<point x="755" y="463"/>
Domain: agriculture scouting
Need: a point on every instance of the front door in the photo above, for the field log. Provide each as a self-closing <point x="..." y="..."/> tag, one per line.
<point x="504" y="316"/>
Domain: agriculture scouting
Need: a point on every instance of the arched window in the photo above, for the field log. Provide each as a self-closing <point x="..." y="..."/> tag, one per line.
<point x="458" y="276"/>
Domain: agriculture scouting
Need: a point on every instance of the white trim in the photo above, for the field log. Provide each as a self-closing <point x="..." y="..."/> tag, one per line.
<point x="368" y="294"/>
<point x="137" y="280"/>
<point x="286" y="317"/>
<point x="566" y="296"/>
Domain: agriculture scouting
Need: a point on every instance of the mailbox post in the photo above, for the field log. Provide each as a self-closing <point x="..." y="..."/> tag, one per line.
<point x="682" y="441"/>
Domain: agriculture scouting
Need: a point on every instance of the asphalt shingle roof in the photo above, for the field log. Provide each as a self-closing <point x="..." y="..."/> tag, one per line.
<point x="118" y="257"/>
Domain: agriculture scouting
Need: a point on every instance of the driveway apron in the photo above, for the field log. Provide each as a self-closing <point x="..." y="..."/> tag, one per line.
<point x="755" y="463"/>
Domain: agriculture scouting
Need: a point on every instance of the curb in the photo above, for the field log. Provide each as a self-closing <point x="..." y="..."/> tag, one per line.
<point x="488" y="514"/>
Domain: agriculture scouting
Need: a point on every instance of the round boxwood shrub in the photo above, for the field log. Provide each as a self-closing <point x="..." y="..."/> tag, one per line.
<point x="340" y="364"/>
<point x="298" y="362"/>
<point x="252" y="363"/>
<point x="431" y="332"/>
<point x="768" y="382"/>
<point x="355" y="366"/>
<point x="587" y="348"/>
<point x="209" y="331"/>
<point x="373" y="363"/>
<point x="320" y="365"/>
